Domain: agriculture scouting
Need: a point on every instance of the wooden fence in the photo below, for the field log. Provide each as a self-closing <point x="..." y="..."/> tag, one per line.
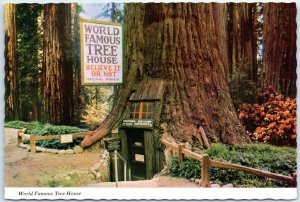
<point x="34" y="138"/>
<point x="206" y="162"/>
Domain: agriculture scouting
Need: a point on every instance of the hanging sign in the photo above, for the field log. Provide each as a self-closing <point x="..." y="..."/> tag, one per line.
<point x="137" y="123"/>
<point x="101" y="52"/>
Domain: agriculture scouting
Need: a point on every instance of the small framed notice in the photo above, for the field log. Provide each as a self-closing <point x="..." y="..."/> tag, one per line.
<point x="139" y="157"/>
<point x="66" y="139"/>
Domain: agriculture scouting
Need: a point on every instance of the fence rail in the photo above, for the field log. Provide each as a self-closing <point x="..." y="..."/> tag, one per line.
<point x="206" y="162"/>
<point x="33" y="138"/>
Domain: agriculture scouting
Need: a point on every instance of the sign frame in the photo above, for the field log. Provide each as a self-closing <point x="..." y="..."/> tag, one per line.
<point x="82" y="20"/>
<point x="65" y="139"/>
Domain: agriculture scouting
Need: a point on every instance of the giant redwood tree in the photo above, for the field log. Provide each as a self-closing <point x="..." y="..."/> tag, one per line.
<point x="279" y="47"/>
<point x="57" y="65"/>
<point x="243" y="39"/>
<point x="11" y="70"/>
<point x="183" y="45"/>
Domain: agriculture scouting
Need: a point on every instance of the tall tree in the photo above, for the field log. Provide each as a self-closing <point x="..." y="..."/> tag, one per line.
<point x="179" y="43"/>
<point x="58" y="91"/>
<point x="76" y="9"/>
<point x="30" y="44"/>
<point x="279" y="47"/>
<point x="11" y="70"/>
<point x="243" y="41"/>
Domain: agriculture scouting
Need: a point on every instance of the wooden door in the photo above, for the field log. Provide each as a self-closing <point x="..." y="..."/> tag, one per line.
<point x="136" y="149"/>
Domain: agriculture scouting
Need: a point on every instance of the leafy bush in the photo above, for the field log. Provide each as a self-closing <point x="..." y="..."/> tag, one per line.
<point x="20" y="124"/>
<point x="258" y="156"/>
<point x="96" y="108"/>
<point x="273" y="121"/>
<point x="40" y="129"/>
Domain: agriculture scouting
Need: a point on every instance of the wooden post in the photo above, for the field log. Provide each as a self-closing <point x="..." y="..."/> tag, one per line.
<point x="19" y="138"/>
<point x="116" y="167"/>
<point x="205" y="171"/>
<point x="32" y="144"/>
<point x="294" y="176"/>
<point x="180" y="154"/>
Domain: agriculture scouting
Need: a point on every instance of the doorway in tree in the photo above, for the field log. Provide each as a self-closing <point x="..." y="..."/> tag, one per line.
<point x="136" y="151"/>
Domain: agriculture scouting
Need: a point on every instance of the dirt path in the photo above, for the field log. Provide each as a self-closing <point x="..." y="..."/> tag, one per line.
<point x="25" y="169"/>
<point x="161" y="181"/>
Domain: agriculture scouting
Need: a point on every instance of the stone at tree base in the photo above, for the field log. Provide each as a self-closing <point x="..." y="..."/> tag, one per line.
<point x="70" y="151"/>
<point x="78" y="149"/>
<point x="52" y="151"/>
<point x="197" y="181"/>
<point x="61" y="151"/>
<point x="40" y="149"/>
<point x="188" y="146"/>
<point x="215" y="186"/>
<point x="227" y="186"/>
<point x="192" y="179"/>
<point x="24" y="146"/>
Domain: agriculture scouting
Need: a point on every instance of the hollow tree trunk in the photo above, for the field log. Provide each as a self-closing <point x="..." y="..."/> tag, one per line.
<point x="279" y="42"/>
<point x="58" y="91"/>
<point x="243" y="39"/>
<point x="181" y="44"/>
<point x="11" y="70"/>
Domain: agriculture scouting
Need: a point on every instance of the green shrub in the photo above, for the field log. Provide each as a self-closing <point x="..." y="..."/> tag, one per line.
<point x="20" y="124"/>
<point x="40" y="129"/>
<point x="281" y="160"/>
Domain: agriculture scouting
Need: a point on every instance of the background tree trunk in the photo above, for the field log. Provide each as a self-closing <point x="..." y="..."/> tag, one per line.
<point x="30" y="56"/>
<point x="76" y="62"/>
<point x="11" y="70"/>
<point x="279" y="42"/>
<point x="243" y="42"/>
<point x="58" y="91"/>
<point x="181" y="44"/>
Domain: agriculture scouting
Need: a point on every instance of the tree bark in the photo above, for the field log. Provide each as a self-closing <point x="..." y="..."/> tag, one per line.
<point x="11" y="70"/>
<point x="180" y="43"/>
<point x="279" y="42"/>
<point x="58" y="91"/>
<point x="243" y="42"/>
<point x="76" y="63"/>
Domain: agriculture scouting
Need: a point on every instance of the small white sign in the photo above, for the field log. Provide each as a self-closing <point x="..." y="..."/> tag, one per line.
<point x="66" y="139"/>
<point x="139" y="157"/>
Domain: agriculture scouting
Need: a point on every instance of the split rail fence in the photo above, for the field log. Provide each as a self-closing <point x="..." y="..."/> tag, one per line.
<point x="206" y="162"/>
<point x="33" y="138"/>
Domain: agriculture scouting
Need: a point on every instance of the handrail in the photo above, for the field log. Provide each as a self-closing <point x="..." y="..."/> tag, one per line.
<point x="208" y="162"/>
<point x="116" y="154"/>
<point x="121" y="158"/>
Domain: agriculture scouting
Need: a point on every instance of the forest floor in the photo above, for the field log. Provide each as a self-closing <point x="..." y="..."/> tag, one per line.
<point x="25" y="169"/>
<point x="160" y="181"/>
